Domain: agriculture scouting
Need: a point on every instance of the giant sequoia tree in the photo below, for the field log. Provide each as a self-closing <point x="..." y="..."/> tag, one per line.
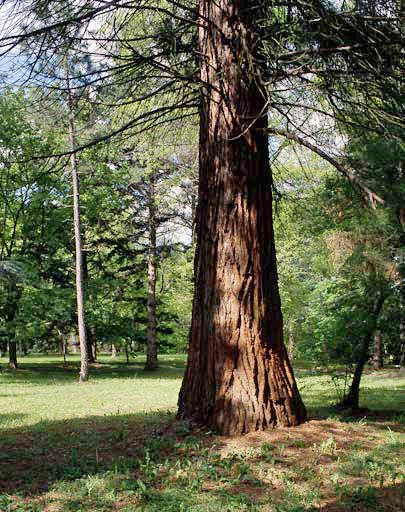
<point x="238" y="376"/>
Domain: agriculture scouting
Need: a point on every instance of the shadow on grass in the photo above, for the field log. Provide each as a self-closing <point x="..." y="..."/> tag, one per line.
<point x="155" y="463"/>
<point x="47" y="373"/>
<point x="369" y="499"/>
<point x="32" y="458"/>
<point x="383" y="420"/>
<point x="6" y="418"/>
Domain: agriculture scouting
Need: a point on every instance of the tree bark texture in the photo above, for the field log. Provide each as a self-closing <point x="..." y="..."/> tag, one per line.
<point x="84" y="368"/>
<point x="238" y="377"/>
<point x="151" y="355"/>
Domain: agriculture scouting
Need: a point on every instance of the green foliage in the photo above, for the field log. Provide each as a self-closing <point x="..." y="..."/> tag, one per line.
<point x="335" y="260"/>
<point x="35" y="212"/>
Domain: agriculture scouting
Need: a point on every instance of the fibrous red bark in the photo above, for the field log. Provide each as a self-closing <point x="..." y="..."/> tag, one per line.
<point x="238" y="376"/>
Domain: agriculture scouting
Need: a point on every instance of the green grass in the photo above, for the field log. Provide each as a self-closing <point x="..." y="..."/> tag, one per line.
<point x="114" y="444"/>
<point x="42" y="389"/>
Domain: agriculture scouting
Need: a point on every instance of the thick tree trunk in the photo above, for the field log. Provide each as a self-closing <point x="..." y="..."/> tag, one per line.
<point x="351" y="400"/>
<point x="151" y="355"/>
<point x="378" y="350"/>
<point x="84" y="369"/>
<point x="238" y="377"/>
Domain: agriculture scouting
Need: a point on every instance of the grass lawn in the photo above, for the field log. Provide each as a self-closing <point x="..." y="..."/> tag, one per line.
<point x="113" y="444"/>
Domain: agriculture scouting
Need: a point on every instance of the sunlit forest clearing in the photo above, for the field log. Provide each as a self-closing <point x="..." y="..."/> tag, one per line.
<point x="114" y="444"/>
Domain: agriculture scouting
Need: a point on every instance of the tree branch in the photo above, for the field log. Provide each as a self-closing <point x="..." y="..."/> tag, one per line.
<point x="371" y="196"/>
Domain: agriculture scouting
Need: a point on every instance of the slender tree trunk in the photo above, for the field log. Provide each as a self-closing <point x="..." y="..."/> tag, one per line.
<point x="238" y="377"/>
<point x="84" y="369"/>
<point x="351" y="400"/>
<point x="151" y="355"/>
<point x="89" y="332"/>
<point x="291" y="342"/>
<point x="73" y="340"/>
<point x="402" y="339"/>
<point x="63" y="348"/>
<point x="114" y="351"/>
<point x="193" y="219"/>
<point x="378" y="350"/>
<point x="402" y="291"/>
<point x="90" y="346"/>
<point x="12" y="355"/>
<point x="13" y="297"/>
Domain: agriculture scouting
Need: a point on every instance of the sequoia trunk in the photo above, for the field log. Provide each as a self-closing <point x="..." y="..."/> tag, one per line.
<point x="238" y="375"/>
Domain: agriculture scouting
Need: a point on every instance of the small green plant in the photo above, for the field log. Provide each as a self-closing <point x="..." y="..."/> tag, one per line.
<point x="328" y="446"/>
<point x="281" y="449"/>
<point x="341" y="380"/>
<point x="95" y="485"/>
<point x="267" y="453"/>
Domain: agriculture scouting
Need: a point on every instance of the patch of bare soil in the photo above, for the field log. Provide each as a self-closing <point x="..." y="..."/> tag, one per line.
<point x="313" y="431"/>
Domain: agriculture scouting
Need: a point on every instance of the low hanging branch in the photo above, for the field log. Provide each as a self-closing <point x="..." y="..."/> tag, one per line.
<point x="371" y="196"/>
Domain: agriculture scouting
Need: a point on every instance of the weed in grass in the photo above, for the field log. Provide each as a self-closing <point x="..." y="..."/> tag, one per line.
<point x="243" y="473"/>
<point x="96" y="485"/>
<point x="5" y="504"/>
<point x="290" y="508"/>
<point x="363" y="494"/>
<point x="281" y="449"/>
<point x="327" y="447"/>
<point x="267" y="453"/>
